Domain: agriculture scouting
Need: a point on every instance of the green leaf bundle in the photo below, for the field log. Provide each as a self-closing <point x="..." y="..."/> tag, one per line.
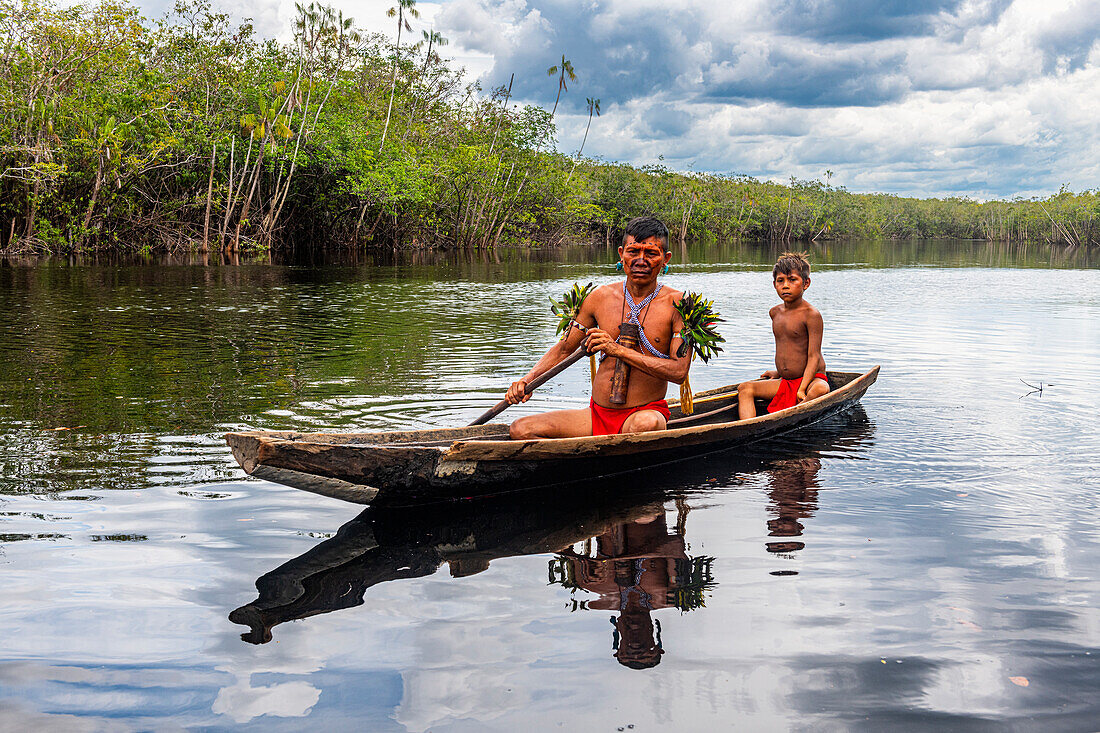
<point x="698" y="332"/>
<point x="569" y="307"/>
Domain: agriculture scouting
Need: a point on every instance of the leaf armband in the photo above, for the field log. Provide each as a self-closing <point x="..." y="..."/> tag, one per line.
<point x="698" y="333"/>
<point x="569" y="307"/>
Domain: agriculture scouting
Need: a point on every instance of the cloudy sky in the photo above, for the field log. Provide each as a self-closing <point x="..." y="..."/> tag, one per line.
<point x="989" y="98"/>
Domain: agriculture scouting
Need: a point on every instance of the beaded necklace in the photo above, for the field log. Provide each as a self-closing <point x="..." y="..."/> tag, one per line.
<point x="635" y="309"/>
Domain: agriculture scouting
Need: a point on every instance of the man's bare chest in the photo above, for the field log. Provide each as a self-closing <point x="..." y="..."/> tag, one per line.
<point x="656" y="320"/>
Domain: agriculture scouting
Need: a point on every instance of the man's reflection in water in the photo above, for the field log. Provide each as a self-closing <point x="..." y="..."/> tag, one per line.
<point x="638" y="567"/>
<point x="379" y="546"/>
<point x="793" y="494"/>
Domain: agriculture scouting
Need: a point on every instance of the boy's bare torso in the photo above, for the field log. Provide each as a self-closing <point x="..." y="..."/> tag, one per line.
<point x="609" y="312"/>
<point x="790" y="325"/>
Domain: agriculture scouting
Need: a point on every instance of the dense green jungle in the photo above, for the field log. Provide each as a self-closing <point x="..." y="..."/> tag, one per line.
<point x="189" y="133"/>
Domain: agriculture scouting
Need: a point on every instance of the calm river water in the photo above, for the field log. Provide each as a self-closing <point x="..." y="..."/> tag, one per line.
<point x="930" y="559"/>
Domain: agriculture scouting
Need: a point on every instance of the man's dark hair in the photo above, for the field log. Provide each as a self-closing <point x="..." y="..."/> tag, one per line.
<point x="792" y="263"/>
<point x="644" y="227"/>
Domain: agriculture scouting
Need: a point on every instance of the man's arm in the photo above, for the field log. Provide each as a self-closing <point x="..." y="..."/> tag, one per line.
<point x="557" y="354"/>
<point x="814" y="328"/>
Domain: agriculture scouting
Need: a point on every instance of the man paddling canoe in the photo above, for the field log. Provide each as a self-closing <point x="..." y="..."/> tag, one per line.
<point x="638" y="300"/>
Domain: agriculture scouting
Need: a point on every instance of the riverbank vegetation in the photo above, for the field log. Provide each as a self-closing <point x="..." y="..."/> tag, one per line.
<point x="191" y="133"/>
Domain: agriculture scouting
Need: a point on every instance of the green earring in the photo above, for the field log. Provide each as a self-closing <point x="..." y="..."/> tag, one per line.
<point x="619" y="265"/>
<point x="665" y="270"/>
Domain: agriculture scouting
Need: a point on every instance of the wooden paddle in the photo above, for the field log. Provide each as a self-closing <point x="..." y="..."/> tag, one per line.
<point x="535" y="383"/>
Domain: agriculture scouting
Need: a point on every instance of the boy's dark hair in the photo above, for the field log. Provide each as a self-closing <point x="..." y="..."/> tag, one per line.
<point x="644" y="227"/>
<point x="792" y="263"/>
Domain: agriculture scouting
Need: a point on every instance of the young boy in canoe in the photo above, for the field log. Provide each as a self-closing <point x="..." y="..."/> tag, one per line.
<point x="799" y="373"/>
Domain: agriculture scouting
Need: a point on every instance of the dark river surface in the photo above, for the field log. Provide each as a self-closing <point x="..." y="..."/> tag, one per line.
<point x="930" y="559"/>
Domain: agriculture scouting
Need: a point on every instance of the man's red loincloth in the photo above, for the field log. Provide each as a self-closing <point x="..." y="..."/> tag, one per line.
<point x="787" y="396"/>
<point x="609" y="420"/>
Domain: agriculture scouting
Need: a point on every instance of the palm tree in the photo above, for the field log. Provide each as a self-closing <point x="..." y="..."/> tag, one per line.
<point x="433" y="38"/>
<point x="403" y="8"/>
<point x="593" y="109"/>
<point x="562" y="70"/>
<point x="309" y="24"/>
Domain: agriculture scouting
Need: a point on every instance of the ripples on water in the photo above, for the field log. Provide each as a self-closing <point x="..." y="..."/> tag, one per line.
<point x="928" y="559"/>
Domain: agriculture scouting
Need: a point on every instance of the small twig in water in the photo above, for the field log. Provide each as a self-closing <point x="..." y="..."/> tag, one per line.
<point x="1035" y="388"/>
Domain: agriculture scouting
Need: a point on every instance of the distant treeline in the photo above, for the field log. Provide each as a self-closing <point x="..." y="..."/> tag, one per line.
<point x="118" y="133"/>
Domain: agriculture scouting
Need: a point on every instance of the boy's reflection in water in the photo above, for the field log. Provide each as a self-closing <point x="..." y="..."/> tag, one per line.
<point x="793" y="494"/>
<point x="637" y="567"/>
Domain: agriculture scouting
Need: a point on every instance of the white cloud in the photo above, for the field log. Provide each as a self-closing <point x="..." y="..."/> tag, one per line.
<point x="242" y="701"/>
<point x="928" y="97"/>
<point x="986" y="97"/>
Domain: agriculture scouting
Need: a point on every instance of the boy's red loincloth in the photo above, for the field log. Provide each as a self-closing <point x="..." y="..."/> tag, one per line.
<point x="787" y="396"/>
<point x="609" y="420"/>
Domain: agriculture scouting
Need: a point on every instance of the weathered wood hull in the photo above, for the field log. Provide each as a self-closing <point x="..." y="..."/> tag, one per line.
<point x="411" y="467"/>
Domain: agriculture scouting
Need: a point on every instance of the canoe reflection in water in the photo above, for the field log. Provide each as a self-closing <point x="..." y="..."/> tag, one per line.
<point x="636" y="568"/>
<point x="611" y="540"/>
<point x="381" y="545"/>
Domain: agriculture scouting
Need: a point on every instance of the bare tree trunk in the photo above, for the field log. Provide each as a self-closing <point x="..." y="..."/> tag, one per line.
<point x="786" y="233"/>
<point x="302" y="132"/>
<point x="581" y="149"/>
<point x="237" y="194"/>
<point x="257" y="172"/>
<point x="362" y="213"/>
<point x="479" y="217"/>
<point x="209" y="196"/>
<point x="95" y="195"/>
<point x="503" y="213"/>
<point x="229" y="191"/>
<point x="32" y="211"/>
<point x="32" y="201"/>
<point x="503" y="111"/>
<point x="1062" y="229"/>
<point x="375" y="224"/>
<point x="504" y="190"/>
<point x="476" y="222"/>
<point x="687" y="217"/>
<point x="393" y="79"/>
<point x="466" y="227"/>
<point x="423" y="73"/>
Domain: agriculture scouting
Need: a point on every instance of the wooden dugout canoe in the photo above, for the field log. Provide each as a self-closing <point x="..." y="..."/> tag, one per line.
<point x="425" y="466"/>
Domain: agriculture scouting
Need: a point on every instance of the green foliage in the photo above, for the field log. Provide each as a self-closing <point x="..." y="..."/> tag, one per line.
<point x="698" y="332"/>
<point x="696" y="579"/>
<point x="120" y="133"/>
<point x="569" y="306"/>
